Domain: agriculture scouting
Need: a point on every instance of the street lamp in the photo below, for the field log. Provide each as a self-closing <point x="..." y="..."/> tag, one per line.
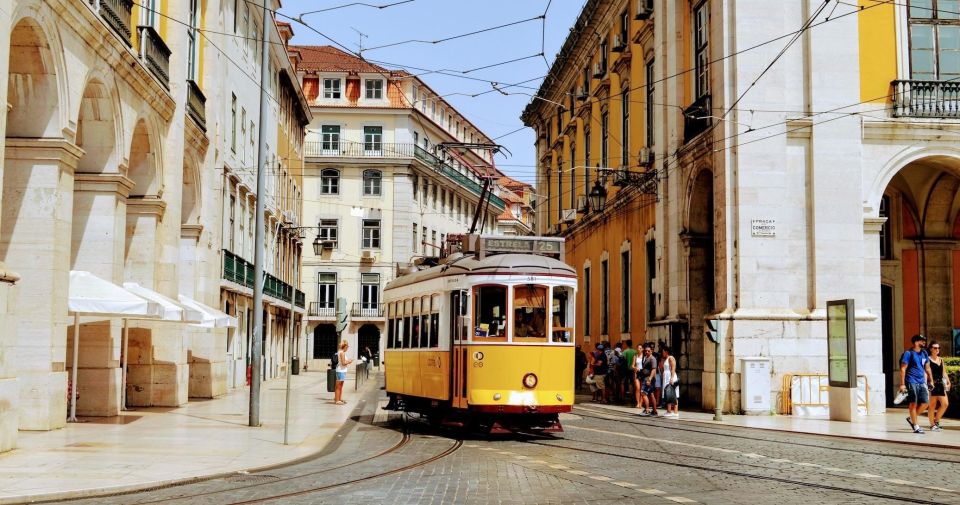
<point x="597" y="196"/>
<point x="317" y="246"/>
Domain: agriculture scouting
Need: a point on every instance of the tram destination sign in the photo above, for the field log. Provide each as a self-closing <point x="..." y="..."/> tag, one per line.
<point x="546" y="246"/>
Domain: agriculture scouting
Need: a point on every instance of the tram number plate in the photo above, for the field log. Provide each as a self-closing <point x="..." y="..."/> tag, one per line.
<point x="478" y="359"/>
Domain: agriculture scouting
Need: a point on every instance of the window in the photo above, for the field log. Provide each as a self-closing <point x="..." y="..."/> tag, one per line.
<point x="559" y="120"/>
<point x="549" y="196"/>
<point x="371" y="234"/>
<point x="423" y="240"/>
<point x="650" y="87"/>
<point x="373" y="89"/>
<point x="624" y="27"/>
<point x="625" y="127"/>
<point x="233" y="122"/>
<point x="624" y="291"/>
<point x="425" y="321"/>
<point x="407" y="311"/>
<point x="415" y="228"/>
<point x="562" y="312"/>
<point x="330" y="139"/>
<point x="604" y="137"/>
<point x="530" y="313"/>
<point x="559" y="190"/>
<point x="604" y="297"/>
<point x="573" y="174"/>
<point x="586" y="160"/>
<point x="148" y="15"/>
<point x="603" y="56"/>
<point x="370" y="295"/>
<point x="330" y="182"/>
<point x="373" y="139"/>
<point x="331" y="89"/>
<point x="586" y="301"/>
<point x="193" y="47"/>
<point x="329" y="231"/>
<point x="701" y="49"/>
<point x="326" y="293"/>
<point x="934" y="40"/>
<point x="886" y="237"/>
<point x="651" y="277"/>
<point x="435" y="322"/>
<point x="586" y="80"/>
<point x="233" y="213"/>
<point x="372" y="182"/>
<point x="490" y="312"/>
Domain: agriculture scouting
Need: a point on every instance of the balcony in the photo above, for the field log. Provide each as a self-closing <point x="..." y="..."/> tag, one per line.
<point x="196" y="104"/>
<point x="452" y="173"/>
<point x="322" y="310"/>
<point x="155" y="54"/>
<point x="117" y="14"/>
<point x="345" y="149"/>
<point x="365" y="310"/>
<point x="933" y="99"/>
<point x="696" y="118"/>
<point x="240" y="271"/>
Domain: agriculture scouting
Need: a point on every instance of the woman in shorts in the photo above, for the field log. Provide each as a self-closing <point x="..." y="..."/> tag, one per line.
<point x="342" y="364"/>
<point x="941" y="384"/>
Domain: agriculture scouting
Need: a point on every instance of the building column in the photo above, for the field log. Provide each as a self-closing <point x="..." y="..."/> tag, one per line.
<point x="35" y="239"/>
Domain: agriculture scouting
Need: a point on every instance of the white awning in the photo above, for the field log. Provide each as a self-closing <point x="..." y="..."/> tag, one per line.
<point x="89" y="294"/>
<point x="172" y="310"/>
<point x="212" y="318"/>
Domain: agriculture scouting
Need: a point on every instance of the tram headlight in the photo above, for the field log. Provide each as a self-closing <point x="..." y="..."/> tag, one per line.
<point x="559" y="397"/>
<point x="530" y="381"/>
<point x="497" y="397"/>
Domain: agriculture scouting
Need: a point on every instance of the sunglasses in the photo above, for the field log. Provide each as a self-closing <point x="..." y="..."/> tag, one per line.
<point x="935" y="348"/>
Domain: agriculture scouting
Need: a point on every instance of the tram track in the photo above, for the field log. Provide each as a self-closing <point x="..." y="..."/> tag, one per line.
<point x="737" y="473"/>
<point x="638" y="421"/>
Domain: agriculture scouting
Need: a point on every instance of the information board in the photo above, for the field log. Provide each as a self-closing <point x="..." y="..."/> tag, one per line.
<point x="841" y="343"/>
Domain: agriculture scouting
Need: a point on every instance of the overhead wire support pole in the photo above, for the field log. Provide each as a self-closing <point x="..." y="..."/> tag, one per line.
<point x="293" y="319"/>
<point x="255" y="345"/>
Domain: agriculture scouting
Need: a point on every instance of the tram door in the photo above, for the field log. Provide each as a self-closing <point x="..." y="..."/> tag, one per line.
<point x="459" y="328"/>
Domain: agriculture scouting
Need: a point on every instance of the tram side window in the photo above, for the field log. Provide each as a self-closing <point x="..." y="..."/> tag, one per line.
<point x="435" y="322"/>
<point x="530" y="313"/>
<point x="425" y="322"/>
<point x="562" y="311"/>
<point x="490" y="312"/>
<point x="406" y="333"/>
<point x="390" y="334"/>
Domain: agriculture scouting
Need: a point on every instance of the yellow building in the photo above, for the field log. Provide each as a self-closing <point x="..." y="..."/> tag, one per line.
<point x="595" y="135"/>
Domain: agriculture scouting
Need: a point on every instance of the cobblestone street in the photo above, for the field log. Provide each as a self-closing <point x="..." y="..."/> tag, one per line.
<point x="603" y="457"/>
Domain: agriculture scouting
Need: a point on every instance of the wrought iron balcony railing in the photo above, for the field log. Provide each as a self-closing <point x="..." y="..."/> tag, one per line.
<point x="324" y="310"/>
<point x="117" y="14"/>
<point x="937" y="99"/>
<point x="696" y="118"/>
<point x="365" y="310"/>
<point x="240" y="271"/>
<point x="155" y="53"/>
<point x="196" y="104"/>
<point x="346" y="149"/>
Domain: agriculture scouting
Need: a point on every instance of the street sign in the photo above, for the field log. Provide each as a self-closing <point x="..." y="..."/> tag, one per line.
<point x="713" y="330"/>
<point x="341" y="315"/>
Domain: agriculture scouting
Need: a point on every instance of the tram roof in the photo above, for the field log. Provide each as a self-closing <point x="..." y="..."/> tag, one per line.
<point x="527" y="264"/>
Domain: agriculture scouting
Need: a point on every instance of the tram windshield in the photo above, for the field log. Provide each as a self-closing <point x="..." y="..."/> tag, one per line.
<point x="562" y="310"/>
<point x="530" y="313"/>
<point x="490" y="312"/>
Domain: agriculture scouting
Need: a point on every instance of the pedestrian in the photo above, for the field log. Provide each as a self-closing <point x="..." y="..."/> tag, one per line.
<point x="600" y="370"/>
<point x="627" y="359"/>
<point x="613" y="380"/>
<point x="941" y="385"/>
<point x="647" y="371"/>
<point x="668" y="364"/>
<point x="342" y="363"/>
<point x="580" y="365"/>
<point x="914" y="377"/>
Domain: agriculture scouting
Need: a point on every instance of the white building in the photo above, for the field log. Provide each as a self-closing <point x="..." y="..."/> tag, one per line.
<point x="377" y="188"/>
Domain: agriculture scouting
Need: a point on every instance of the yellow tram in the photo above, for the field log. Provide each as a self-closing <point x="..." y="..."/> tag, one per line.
<point x="485" y="338"/>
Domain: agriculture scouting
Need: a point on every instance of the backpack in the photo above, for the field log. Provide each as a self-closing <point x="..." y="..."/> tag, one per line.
<point x="335" y="362"/>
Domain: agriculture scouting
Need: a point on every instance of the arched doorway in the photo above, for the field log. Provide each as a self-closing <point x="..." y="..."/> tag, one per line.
<point x="920" y="259"/>
<point x="324" y="341"/>
<point x="698" y="241"/>
<point x="368" y="336"/>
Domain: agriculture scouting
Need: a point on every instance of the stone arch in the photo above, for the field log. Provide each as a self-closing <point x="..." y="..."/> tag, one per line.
<point x="190" y="201"/>
<point x="882" y="179"/>
<point x="37" y="85"/>
<point x="143" y="167"/>
<point x="698" y="247"/>
<point x="99" y="128"/>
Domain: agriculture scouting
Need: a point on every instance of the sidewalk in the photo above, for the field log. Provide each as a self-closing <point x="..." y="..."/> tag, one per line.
<point x="151" y="446"/>
<point x="889" y="427"/>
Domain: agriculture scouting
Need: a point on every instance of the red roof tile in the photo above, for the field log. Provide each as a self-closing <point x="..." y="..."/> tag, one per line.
<point x="331" y="59"/>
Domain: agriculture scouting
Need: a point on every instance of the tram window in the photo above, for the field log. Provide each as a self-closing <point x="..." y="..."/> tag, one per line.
<point x="530" y="313"/>
<point x="424" y="330"/>
<point x="435" y="330"/>
<point x="390" y="334"/>
<point x="490" y="312"/>
<point x="415" y="332"/>
<point x="406" y="333"/>
<point x="562" y="312"/>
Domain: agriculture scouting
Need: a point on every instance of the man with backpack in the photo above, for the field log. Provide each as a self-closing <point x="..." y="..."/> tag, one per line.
<point x="646" y="374"/>
<point x="915" y="375"/>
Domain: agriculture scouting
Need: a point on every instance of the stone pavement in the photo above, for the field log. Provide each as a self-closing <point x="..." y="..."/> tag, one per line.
<point x="153" y="446"/>
<point x="889" y="427"/>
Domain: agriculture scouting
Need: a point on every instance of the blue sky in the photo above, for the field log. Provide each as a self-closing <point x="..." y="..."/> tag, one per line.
<point x="493" y="112"/>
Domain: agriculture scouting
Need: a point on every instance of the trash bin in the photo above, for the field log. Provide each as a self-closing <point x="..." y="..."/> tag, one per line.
<point x="331" y="380"/>
<point x="295" y="364"/>
<point x="376" y="360"/>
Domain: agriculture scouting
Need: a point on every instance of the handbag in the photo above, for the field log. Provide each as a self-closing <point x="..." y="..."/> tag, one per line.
<point x="670" y="393"/>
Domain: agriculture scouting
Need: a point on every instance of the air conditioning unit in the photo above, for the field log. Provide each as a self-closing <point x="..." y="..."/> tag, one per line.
<point x="619" y="43"/>
<point x="598" y="70"/>
<point x="644" y="9"/>
<point x="583" y="205"/>
<point x="647" y="157"/>
<point x="327" y="244"/>
<point x="568" y="215"/>
<point x="581" y="94"/>
<point x="367" y="256"/>
<point x="289" y="217"/>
